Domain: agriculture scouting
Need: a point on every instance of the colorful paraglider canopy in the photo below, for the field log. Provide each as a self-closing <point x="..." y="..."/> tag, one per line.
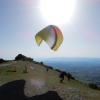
<point x="52" y="35"/>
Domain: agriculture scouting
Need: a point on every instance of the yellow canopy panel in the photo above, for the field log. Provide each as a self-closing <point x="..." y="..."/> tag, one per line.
<point x="51" y="35"/>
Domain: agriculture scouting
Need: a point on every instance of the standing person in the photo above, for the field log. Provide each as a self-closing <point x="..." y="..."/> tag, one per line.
<point x="47" y="69"/>
<point x="68" y="76"/>
<point x="62" y="76"/>
<point x="25" y="69"/>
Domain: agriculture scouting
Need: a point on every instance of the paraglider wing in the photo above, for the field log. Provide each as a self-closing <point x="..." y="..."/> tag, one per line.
<point x="51" y="35"/>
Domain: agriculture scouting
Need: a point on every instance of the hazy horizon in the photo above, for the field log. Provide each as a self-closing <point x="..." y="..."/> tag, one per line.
<point x="48" y="58"/>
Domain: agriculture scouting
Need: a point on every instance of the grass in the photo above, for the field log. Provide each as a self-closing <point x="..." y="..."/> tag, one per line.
<point x="39" y="82"/>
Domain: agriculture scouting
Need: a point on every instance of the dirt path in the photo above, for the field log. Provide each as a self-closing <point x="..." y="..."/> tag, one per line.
<point x="8" y="64"/>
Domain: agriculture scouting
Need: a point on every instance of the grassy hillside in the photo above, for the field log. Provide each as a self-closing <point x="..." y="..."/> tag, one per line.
<point x="39" y="84"/>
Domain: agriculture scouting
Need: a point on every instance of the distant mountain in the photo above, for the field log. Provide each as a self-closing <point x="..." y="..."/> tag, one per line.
<point x="71" y="59"/>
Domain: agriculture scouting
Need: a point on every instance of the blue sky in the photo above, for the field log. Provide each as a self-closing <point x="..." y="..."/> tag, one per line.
<point x="20" y="20"/>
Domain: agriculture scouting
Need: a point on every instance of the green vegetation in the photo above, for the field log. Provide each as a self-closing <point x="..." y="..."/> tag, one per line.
<point x="39" y="81"/>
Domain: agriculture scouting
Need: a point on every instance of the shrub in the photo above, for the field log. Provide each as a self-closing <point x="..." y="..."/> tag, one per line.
<point x="93" y="86"/>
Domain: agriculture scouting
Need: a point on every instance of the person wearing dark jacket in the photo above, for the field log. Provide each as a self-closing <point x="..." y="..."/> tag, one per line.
<point x="62" y="76"/>
<point x="47" y="69"/>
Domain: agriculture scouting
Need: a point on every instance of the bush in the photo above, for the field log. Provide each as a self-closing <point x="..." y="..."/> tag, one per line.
<point x="93" y="86"/>
<point x="24" y="58"/>
<point x="1" y="60"/>
<point x="41" y="63"/>
<point x="50" y="67"/>
<point x="98" y="88"/>
<point x="57" y="70"/>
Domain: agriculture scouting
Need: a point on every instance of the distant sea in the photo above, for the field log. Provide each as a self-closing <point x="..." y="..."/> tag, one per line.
<point x="85" y="70"/>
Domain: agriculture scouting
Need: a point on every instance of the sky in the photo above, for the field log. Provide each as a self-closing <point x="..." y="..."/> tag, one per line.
<point x="21" y="20"/>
